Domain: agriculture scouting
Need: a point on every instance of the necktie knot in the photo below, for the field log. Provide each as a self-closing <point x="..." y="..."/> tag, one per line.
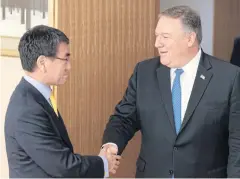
<point x="178" y="71"/>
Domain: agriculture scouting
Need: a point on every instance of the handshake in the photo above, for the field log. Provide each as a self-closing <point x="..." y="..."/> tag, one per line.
<point x="109" y="151"/>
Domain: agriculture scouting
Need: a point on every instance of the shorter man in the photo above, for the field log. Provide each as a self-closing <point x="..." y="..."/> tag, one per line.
<point x="37" y="141"/>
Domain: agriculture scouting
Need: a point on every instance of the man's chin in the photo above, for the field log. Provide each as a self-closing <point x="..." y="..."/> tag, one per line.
<point x="62" y="82"/>
<point x="165" y="61"/>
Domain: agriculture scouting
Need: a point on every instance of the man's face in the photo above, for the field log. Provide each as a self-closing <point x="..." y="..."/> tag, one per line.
<point x="171" y="41"/>
<point x="58" y="67"/>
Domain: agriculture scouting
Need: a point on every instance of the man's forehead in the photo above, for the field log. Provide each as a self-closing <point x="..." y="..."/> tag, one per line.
<point x="168" y="24"/>
<point x="169" y="20"/>
<point x="63" y="48"/>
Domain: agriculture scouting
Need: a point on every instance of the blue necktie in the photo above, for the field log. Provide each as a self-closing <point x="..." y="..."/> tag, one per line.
<point x="176" y="99"/>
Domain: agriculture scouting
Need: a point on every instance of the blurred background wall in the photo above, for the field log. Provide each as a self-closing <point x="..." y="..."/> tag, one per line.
<point x="107" y="39"/>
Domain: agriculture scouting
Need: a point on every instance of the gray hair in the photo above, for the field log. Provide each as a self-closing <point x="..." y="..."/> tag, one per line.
<point x="189" y="17"/>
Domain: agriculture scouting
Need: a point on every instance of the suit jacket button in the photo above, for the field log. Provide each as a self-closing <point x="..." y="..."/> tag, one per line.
<point x="170" y="172"/>
<point x="175" y="148"/>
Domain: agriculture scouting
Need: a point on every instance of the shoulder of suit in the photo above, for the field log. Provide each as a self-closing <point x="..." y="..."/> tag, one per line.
<point x="237" y="42"/>
<point x="24" y="94"/>
<point x="221" y="63"/>
<point x="237" y="38"/>
<point x="150" y="61"/>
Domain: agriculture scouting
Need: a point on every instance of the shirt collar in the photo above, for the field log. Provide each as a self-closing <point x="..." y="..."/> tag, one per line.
<point x="42" y="88"/>
<point x="192" y="64"/>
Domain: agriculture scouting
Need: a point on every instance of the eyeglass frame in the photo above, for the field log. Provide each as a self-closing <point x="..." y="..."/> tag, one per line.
<point x="63" y="59"/>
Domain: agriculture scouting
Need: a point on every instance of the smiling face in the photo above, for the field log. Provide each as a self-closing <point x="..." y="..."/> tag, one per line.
<point x="172" y="41"/>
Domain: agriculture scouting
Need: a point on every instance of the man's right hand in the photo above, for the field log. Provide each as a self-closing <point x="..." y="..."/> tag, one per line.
<point x="110" y="152"/>
<point x="111" y="148"/>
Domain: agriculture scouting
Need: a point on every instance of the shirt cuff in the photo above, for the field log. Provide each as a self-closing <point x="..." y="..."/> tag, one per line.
<point x="105" y="162"/>
<point x="110" y="143"/>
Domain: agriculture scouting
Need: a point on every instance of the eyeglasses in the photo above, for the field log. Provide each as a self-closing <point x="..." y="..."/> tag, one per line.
<point x="63" y="59"/>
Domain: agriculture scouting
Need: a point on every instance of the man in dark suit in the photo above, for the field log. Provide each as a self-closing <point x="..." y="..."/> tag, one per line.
<point x="37" y="141"/>
<point x="235" y="59"/>
<point x="186" y="104"/>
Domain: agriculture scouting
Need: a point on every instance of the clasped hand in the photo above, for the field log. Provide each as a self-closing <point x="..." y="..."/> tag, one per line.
<point x="110" y="153"/>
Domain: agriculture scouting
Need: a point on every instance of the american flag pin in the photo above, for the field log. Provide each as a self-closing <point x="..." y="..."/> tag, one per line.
<point x="202" y="76"/>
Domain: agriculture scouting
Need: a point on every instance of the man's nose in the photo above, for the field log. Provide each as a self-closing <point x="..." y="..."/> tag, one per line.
<point x="158" y="42"/>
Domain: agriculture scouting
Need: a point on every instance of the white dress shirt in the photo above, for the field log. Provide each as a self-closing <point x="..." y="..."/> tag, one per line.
<point x="187" y="79"/>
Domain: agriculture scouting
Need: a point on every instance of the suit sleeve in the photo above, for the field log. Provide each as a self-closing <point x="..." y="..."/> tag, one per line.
<point x="235" y="58"/>
<point x="36" y="136"/>
<point x="233" y="168"/>
<point x="123" y="124"/>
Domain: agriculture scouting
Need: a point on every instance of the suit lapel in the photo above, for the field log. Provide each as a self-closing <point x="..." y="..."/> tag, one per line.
<point x="64" y="133"/>
<point x="202" y="80"/>
<point x="56" y="121"/>
<point x="163" y="75"/>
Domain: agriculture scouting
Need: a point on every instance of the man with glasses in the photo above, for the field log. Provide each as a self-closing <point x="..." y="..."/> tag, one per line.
<point x="37" y="141"/>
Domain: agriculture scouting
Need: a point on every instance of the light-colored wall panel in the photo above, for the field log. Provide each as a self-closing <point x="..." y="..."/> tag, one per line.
<point x="9" y="46"/>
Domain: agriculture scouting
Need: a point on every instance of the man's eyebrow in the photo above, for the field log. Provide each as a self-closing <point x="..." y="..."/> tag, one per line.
<point x="164" y="33"/>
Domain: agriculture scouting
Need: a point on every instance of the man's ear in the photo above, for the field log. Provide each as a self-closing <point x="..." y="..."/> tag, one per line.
<point x="41" y="63"/>
<point x="192" y="37"/>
